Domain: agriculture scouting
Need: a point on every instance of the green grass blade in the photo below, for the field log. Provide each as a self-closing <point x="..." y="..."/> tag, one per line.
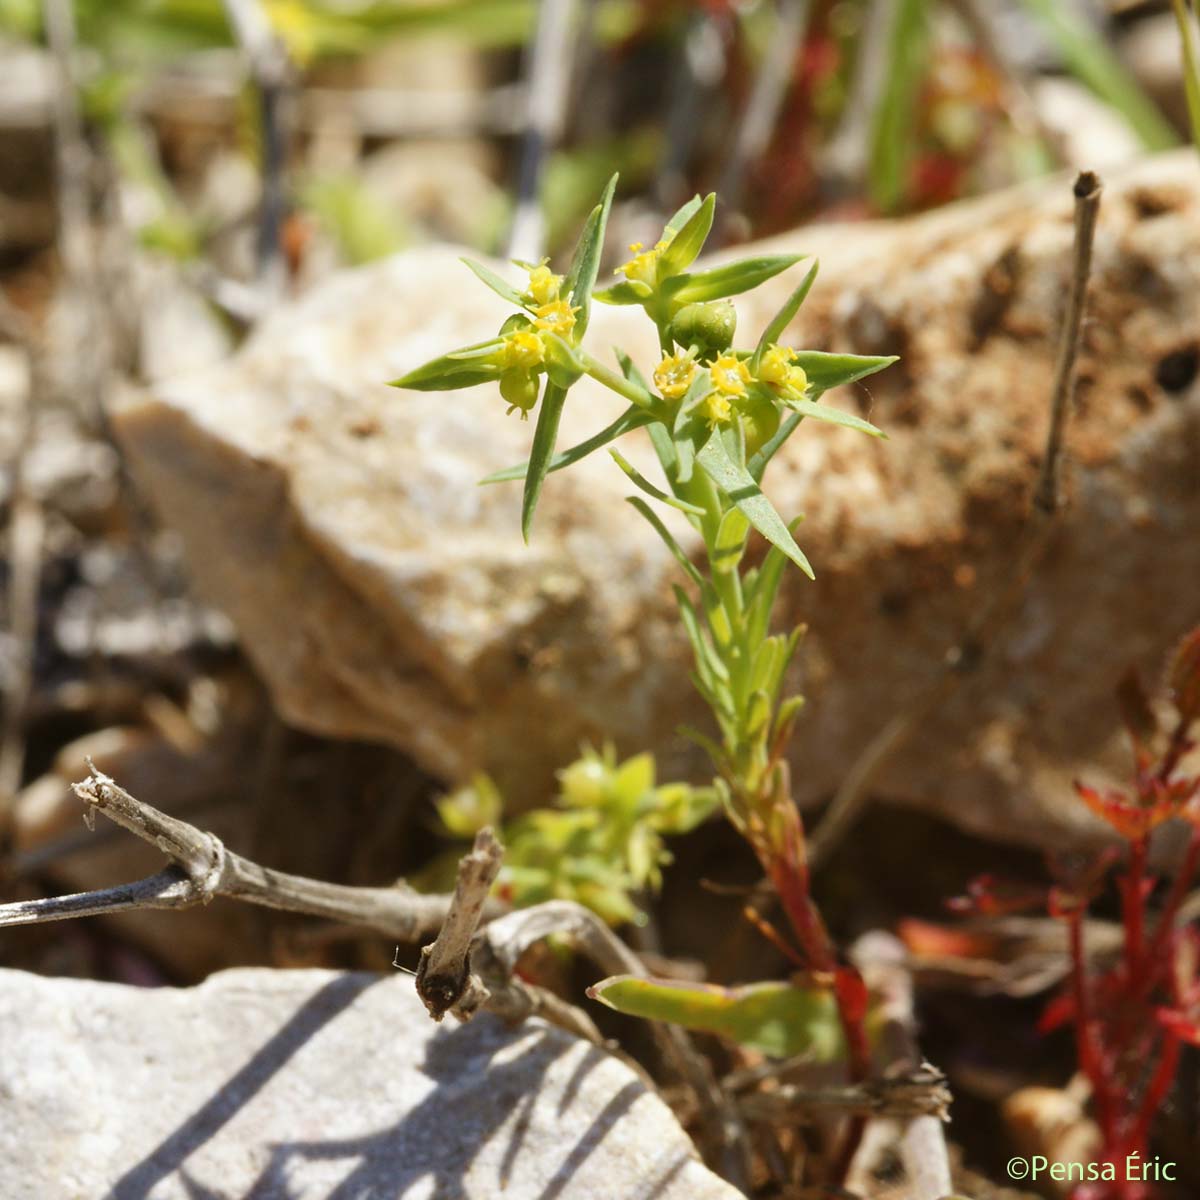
<point x="1088" y="57"/>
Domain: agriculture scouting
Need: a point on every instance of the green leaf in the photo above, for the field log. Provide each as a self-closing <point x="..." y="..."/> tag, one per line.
<point x="730" y="542"/>
<point x="563" y="366"/>
<point x="581" y="278"/>
<point x="641" y="481"/>
<point x="502" y="289"/>
<point x="629" y="369"/>
<point x="1088" y="56"/>
<point x="663" y="532"/>
<point x="757" y="462"/>
<point x="707" y="659"/>
<point x="761" y="599"/>
<point x="826" y="371"/>
<point x="683" y="248"/>
<point x="784" y="317"/>
<point x="893" y="123"/>
<point x="778" y="1019"/>
<point x="1186" y="20"/>
<point x="740" y="486"/>
<point x="458" y="369"/>
<point x="632" y="418"/>
<point x="729" y="280"/>
<point x="544" y="436"/>
<point x="683" y="215"/>
<point x="465" y="812"/>
<point x="834" y="416"/>
<point x="628" y="291"/>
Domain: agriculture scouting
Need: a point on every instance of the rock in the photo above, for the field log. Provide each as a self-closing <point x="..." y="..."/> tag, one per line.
<point x="382" y="594"/>
<point x="312" y="1083"/>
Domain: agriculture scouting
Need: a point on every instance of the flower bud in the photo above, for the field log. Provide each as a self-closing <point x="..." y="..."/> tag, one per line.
<point x="709" y="326"/>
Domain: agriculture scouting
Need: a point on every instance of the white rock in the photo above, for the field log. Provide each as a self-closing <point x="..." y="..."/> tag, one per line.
<point x="299" y="1085"/>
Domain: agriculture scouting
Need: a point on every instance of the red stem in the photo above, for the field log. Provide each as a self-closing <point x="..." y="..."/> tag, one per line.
<point x="1088" y="1053"/>
<point x="1156" y="1091"/>
<point x="1179" y="889"/>
<point x="1133" y="907"/>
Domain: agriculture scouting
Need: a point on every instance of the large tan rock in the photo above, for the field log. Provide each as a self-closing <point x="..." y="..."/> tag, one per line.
<point x="383" y="595"/>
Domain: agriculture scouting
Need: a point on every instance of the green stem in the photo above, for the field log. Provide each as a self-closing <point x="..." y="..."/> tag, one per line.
<point x="617" y="382"/>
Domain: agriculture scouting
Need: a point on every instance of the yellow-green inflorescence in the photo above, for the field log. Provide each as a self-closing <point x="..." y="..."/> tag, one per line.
<point x="755" y="396"/>
<point x="522" y="356"/>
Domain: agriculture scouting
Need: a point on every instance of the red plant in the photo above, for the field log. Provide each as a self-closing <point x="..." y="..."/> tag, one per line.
<point x="1131" y="1020"/>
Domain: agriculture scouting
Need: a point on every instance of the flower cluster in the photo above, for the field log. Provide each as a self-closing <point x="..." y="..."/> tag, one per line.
<point x="521" y="356"/>
<point x="736" y="387"/>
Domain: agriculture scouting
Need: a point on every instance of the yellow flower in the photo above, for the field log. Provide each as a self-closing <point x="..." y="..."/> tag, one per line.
<point x="797" y="381"/>
<point x="555" y="317"/>
<point x="775" y="364"/>
<point x="643" y="266"/>
<point x="717" y="409"/>
<point x="522" y="350"/>
<point x="730" y="375"/>
<point x="544" y="285"/>
<point x="673" y="376"/>
<point x="777" y="369"/>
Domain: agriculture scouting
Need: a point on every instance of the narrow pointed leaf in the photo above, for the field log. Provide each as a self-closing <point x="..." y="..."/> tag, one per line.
<point x="827" y="371"/>
<point x="688" y="241"/>
<point x="628" y="291"/>
<point x="834" y="416"/>
<point x="684" y="214"/>
<point x="784" y="317"/>
<point x="740" y="486"/>
<point x="581" y="278"/>
<point x="728" y="280"/>
<point x="778" y="1019"/>
<point x="632" y="418"/>
<point x="730" y="542"/>
<point x="663" y="532"/>
<point x="544" y="436"/>
<point x="458" y="369"/>
<point x="501" y="287"/>
<point x="641" y="481"/>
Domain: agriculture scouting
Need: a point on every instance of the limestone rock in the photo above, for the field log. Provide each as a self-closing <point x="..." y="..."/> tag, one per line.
<point x="382" y="594"/>
<point x="290" y="1084"/>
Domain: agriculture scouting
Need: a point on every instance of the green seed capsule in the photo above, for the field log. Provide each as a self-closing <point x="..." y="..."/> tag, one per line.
<point x="520" y="389"/>
<point x="709" y="326"/>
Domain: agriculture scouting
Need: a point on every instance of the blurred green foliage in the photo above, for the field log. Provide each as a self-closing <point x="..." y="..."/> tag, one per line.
<point x="601" y="845"/>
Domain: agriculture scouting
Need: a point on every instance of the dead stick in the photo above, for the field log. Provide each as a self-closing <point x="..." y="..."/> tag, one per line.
<point x="444" y="978"/>
<point x="965" y="656"/>
<point x="202" y="868"/>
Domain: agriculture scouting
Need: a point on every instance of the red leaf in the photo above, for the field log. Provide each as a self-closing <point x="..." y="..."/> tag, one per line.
<point x="1131" y="820"/>
<point x="1059" y="1012"/>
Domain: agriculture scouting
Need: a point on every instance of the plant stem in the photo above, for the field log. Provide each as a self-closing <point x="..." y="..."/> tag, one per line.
<point x="616" y="381"/>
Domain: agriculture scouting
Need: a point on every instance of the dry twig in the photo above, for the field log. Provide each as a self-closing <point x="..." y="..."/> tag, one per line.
<point x="202" y="868"/>
<point x="964" y="658"/>
<point x="444" y="978"/>
<point x="919" y="1093"/>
